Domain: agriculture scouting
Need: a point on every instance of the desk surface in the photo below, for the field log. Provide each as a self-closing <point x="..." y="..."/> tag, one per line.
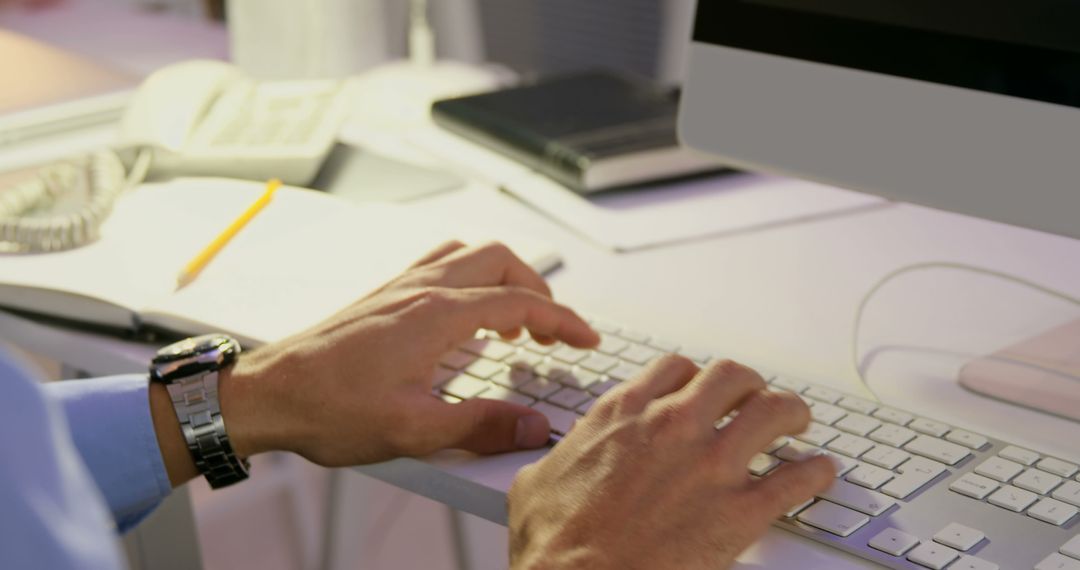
<point x="782" y="297"/>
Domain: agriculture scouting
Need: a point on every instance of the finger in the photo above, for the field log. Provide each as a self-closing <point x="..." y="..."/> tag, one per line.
<point x="791" y="485"/>
<point x="463" y="311"/>
<point x="438" y="253"/>
<point x="719" y="388"/>
<point x="488" y="265"/>
<point x="765" y="416"/>
<point x="662" y="377"/>
<point x="485" y="426"/>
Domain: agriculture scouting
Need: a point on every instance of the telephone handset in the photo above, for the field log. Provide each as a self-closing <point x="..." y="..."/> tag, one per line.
<point x="191" y="118"/>
<point x="207" y="118"/>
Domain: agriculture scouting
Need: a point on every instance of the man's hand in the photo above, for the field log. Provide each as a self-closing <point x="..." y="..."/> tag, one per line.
<point x="646" y="481"/>
<point x="357" y="388"/>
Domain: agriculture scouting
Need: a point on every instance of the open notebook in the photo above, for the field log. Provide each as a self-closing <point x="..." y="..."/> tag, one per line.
<point x="304" y="257"/>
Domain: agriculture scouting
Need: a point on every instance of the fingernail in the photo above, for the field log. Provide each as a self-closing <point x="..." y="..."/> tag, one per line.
<point x="531" y="431"/>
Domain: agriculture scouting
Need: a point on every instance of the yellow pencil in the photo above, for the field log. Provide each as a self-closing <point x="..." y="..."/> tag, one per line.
<point x="193" y="267"/>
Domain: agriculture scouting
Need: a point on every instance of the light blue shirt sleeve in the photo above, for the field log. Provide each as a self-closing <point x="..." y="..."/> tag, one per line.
<point x="52" y="515"/>
<point x="113" y="431"/>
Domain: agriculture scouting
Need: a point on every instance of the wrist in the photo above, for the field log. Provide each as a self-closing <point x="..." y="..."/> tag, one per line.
<point x="255" y="416"/>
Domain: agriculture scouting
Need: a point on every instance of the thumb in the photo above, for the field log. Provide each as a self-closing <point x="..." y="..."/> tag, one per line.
<point x="489" y="426"/>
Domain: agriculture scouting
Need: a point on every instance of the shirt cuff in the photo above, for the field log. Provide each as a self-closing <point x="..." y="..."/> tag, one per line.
<point x="113" y="430"/>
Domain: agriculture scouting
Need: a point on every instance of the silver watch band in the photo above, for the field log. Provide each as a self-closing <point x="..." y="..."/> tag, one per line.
<point x="196" y="402"/>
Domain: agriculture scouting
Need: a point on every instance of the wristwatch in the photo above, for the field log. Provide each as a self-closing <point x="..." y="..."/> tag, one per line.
<point x="189" y="370"/>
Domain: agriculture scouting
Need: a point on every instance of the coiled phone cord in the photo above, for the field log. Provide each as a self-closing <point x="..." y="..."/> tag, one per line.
<point x="32" y="216"/>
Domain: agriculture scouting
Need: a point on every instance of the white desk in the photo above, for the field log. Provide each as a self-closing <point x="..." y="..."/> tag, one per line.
<point x="783" y="297"/>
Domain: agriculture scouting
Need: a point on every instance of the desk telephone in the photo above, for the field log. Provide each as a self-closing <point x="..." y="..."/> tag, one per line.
<point x="191" y="118"/>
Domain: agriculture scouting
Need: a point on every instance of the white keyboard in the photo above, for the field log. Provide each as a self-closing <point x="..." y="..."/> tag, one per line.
<point x="911" y="493"/>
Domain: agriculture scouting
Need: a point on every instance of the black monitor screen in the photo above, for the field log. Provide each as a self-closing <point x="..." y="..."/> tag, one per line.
<point x="1022" y="48"/>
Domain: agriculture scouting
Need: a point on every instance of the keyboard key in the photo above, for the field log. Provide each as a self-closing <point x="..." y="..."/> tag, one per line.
<point x="932" y="555"/>
<point x="850" y="445"/>
<point x="929" y="427"/>
<point x="1037" y="481"/>
<point x="936" y="449"/>
<point x="484" y="368"/>
<point x="922" y="465"/>
<point x="893" y="435"/>
<point x="999" y="469"/>
<point x="611" y="344"/>
<point x="905" y="484"/>
<point x="869" y="476"/>
<point x="552" y="369"/>
<point x="885" y="456"/>
<point x="569" y="398"/>
<point x="450" y="399"/>
<point x="600" y="388"/>
<point x="584" y="408"/>
<point x="823" y="394"/>
<point x="798" y="451"/>
<point x="1057" y="467"/>
<point x="761" y="464"/>
<point x="974" y="486"/>
<point x="1012" y="498"/>
<point x="544" y="349"/>
<point x="513" y="377"/>
<point x="857" y="424"/>
<point x="492" y="349"/>
<point x="789" y="384"/>
<point x="842" y="464"/>
<point x="1058" y="562"/>
<point x="625" y="371"/>
<point x="833" y="518"/>
<point x="1069" y="492"/>
<point x="1019" y="455"/>
<point x="1053" y="511"/>
<point x="579" y="378"/>
<point x="858" y="498"/>
<point x="826" y="414"/>
<point x="966" y="439"/>
<point x="893" y="541"/>
<point x="500" y="393"/>
<point x="639" y="354"/>
<point x="561" y="420"/>
<point x="776" y="444"/>
<point x="798" y="508"/>
<point x="599" y="363"/>
<point x="893" y="416"/>
<point x="465" y="387"/>
<point x="859" y="405"/>
<point x="569" y="354"/>
<point x="524" y="359"/>
<point x="540" y="388"/>
<point x="1071" y="548"/>
<point x="818" y="434"/>
<point x="960" y="537"/>
<point x="972" y="563"/>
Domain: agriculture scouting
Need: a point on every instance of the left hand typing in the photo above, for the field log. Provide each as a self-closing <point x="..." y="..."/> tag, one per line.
<point x="356" y="389"/>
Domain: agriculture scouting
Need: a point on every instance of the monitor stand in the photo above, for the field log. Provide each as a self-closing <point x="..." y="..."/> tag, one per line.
<point x="1042" y="372"/>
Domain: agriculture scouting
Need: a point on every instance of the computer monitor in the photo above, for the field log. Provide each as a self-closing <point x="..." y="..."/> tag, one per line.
<point x="963" y="105"/>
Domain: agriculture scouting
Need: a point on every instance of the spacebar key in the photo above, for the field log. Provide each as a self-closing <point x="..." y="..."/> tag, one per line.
<point x="858" y="498"/>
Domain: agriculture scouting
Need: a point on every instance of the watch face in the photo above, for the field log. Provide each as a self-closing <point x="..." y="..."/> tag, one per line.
<point x="192" y="356"/>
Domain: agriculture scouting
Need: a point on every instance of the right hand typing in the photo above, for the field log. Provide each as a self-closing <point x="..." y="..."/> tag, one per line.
<point x="646" y="481"/>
